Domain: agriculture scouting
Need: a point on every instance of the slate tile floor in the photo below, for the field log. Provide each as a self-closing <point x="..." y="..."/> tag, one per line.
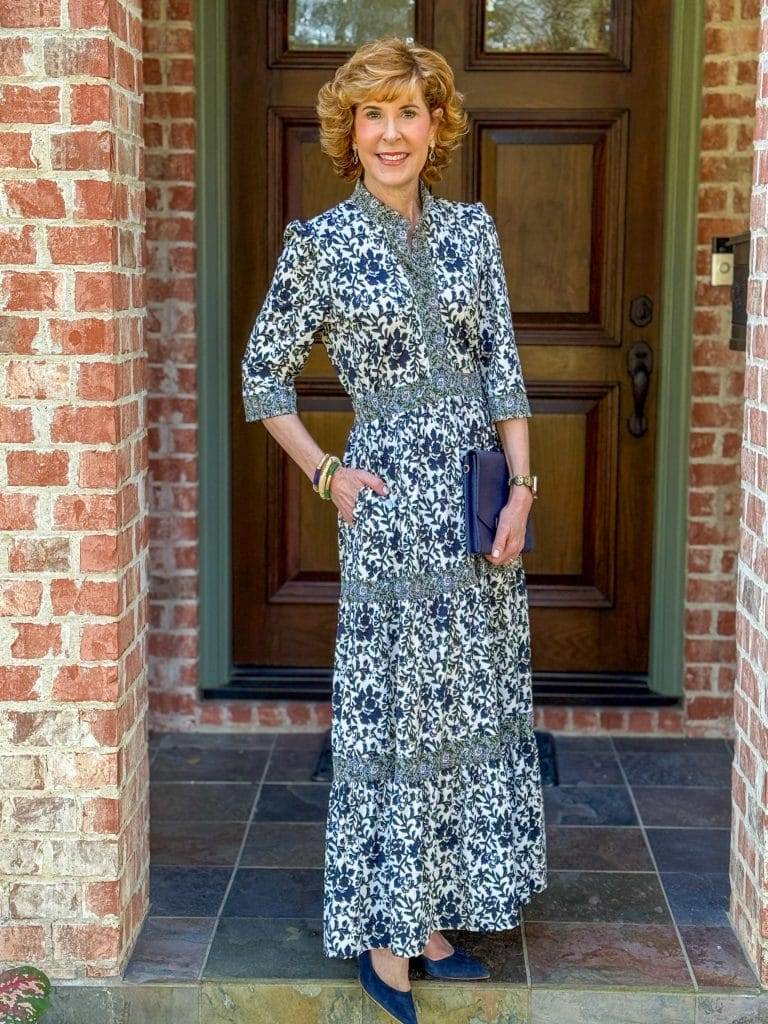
<point x="637" y="840"/>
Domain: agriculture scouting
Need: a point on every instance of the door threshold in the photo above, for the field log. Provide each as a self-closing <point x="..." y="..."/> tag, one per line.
<point x="285" y="682"/>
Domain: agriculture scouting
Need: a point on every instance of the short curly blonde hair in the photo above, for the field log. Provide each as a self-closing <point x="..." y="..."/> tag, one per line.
<point x="379" y="70"/>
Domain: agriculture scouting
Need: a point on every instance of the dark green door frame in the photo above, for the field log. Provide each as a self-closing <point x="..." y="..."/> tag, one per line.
<point x="686" y="58"/>
<point x="212" y="222"/>
<point x="213" y="342"/>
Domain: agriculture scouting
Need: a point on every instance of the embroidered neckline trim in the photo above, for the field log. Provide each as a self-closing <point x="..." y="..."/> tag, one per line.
<point x="386" y="214"/>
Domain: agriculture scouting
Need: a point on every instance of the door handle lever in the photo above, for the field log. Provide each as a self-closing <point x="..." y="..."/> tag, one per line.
<point x="639" y="367"/>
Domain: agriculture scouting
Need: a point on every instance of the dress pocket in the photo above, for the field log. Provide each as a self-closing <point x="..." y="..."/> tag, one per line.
<point x="374" y="548"/>
<point x="358" y="504"/>
<point x="358" y="509"/>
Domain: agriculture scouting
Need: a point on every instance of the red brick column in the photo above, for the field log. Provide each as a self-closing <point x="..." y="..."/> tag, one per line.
<point x="749" y="853"/>
<point x="73" y="458"/>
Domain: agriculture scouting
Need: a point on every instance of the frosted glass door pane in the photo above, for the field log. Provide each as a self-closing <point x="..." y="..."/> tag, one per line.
<point x="553" y="26"/>
<point x="345" y="24"/>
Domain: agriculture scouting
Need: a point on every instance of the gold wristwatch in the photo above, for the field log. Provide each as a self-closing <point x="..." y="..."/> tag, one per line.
<point x="528" y="481"/>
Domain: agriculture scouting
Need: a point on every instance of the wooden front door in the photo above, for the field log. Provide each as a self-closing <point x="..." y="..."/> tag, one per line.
<point x="567" y="151"/>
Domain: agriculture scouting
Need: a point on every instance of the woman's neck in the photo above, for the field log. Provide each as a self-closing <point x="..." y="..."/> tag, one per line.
<point x="405" y="200"/>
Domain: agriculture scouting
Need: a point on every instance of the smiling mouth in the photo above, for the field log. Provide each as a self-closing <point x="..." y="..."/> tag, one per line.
<point x="392" y="158"/>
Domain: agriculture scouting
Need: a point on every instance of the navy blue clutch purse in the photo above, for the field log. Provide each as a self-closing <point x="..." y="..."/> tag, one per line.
<point x="486" y="491"/>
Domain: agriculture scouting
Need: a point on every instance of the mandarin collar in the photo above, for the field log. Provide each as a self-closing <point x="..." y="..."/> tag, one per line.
<point x="387" y="215"/>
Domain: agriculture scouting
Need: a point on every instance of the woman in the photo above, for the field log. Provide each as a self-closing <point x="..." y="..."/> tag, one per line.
<point x="435" y="815"/>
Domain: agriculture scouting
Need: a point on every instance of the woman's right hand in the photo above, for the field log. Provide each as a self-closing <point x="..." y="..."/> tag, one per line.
<point x="346" y="484"/>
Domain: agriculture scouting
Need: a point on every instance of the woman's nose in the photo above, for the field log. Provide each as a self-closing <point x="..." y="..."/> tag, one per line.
<point x="391" y="130"/>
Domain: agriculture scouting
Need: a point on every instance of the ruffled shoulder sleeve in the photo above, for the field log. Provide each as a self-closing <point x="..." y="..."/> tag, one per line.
<point x="294" y="311"/>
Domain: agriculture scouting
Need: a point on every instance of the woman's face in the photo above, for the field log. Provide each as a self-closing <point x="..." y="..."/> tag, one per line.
<point x="393" y="137"/>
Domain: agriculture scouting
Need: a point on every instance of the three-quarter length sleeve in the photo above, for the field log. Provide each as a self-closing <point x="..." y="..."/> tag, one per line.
<point x="500" y="367"/>
<point x="280" y="340"/>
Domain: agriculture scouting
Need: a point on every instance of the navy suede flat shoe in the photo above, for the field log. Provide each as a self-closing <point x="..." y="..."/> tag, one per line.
<point x="397" y="1004"/>
<point x="459" y="966"/>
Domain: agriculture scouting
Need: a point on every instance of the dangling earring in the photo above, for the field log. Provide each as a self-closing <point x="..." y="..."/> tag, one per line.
<point x="354" y="150"/>
<point x="431" y="152"/>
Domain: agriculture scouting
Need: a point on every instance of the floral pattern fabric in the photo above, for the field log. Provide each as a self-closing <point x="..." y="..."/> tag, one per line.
<point x="435" y="816"/>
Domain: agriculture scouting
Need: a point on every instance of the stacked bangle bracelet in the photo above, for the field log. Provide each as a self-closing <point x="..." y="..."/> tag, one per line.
<point x="321" y="481"/>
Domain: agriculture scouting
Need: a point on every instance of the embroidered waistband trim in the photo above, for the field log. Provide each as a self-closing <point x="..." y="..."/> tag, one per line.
<point x="441" y="382"/>
<point x="416" y="586"/>
<point x="451" y="754"/>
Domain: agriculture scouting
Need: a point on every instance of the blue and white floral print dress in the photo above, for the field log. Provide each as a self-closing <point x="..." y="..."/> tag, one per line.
<point x="435" y="816"/>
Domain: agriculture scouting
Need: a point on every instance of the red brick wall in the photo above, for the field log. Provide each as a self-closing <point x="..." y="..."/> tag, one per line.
<point x="749" y="854"/>
<point x="717" y="378"/>
<point x="73" y="502"/>
<point x="169" y="136"/>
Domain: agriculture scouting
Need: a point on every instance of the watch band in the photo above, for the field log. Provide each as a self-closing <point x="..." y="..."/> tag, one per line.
<point x="528" y="480"/>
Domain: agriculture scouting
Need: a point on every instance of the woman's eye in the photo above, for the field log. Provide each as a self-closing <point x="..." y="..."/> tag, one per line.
<point x="375" y="113"/>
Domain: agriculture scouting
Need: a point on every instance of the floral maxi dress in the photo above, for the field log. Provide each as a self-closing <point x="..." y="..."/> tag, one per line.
<point x="435" y="816"/>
